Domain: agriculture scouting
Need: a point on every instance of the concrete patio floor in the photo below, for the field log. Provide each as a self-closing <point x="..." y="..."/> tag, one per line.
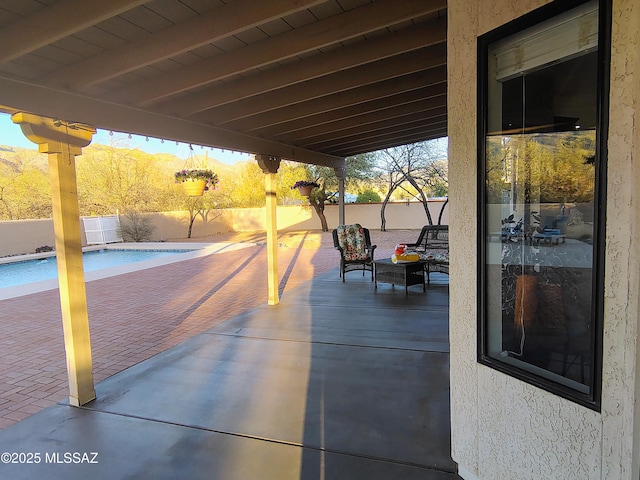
<point x="135" y="316"/>
<point x="338" y="381"/>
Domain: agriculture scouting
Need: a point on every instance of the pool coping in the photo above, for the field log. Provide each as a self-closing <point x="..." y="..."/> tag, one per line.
<point x="195" y="250"/>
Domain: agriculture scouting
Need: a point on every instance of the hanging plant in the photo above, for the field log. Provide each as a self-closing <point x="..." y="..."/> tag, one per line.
<point x="305" y="187"/>
<point x="196" y="181"/>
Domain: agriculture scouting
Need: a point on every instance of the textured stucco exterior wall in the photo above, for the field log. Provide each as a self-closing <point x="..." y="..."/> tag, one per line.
<point x="22" y="236"/>
<point x="621" y="385"/>
<point x="503" y="427"/>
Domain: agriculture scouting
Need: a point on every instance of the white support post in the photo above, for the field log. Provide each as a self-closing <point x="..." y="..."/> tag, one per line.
<point x="341" y="174"/>
<point x="63" y="142"/>
<point x="270" y="167"/>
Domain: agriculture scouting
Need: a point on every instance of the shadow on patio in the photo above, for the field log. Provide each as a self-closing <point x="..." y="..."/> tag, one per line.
<point x="337" y="381"/>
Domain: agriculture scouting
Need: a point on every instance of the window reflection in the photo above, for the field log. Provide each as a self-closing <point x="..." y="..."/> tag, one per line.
<point x="540" y="217"/>
<point x="540" y="209"/>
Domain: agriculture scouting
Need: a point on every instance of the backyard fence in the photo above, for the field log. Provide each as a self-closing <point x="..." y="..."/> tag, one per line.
<point x="24" y="236"/>
<point x="101" y="230"/>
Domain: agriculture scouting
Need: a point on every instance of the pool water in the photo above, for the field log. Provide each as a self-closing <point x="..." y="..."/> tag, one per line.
<point x="20" y="273"/>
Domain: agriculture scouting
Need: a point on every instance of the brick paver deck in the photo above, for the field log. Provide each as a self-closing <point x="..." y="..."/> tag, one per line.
<point x="137" y="315"/>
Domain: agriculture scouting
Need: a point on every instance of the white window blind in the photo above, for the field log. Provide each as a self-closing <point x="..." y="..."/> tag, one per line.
<point x="566" y="36"/>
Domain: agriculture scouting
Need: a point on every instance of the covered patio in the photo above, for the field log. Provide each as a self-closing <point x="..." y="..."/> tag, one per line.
<point x="316" y="81"/>
<point x="337" y="381"/>
<point x="313" y="81"/>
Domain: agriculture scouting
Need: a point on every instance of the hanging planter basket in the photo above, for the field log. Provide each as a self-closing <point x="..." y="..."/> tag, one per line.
<point x="195" y="180"/>
<point x="305" y="187"/>
<point x="305" y="191"/>
<point x="194" y="187"/>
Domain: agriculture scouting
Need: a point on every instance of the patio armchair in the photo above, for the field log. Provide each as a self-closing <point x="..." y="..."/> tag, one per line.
<point x="356" y="252"/>
<point x="432" y="237"/>
<point x="433" y="246"/>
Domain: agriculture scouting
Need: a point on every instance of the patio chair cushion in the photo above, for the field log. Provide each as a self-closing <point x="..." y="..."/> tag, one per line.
<point x="435" y="257"/>
<point x="352" y="241"/>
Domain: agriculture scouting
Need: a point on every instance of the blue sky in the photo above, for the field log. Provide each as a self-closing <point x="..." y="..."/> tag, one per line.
<point x="11" y="135"/>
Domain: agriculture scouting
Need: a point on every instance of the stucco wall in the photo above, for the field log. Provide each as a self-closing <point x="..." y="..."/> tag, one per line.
<point x="24" y="236"/>
<point x="503" y="427"/>
<point x="621" y="385"/>
<point x="173" y="225"/>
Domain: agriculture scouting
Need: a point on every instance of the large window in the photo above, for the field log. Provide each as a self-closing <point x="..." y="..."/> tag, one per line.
<point x="542" y="137"/>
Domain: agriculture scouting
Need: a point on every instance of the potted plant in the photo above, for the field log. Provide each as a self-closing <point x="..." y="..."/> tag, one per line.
<point x="196" y="181"/>
<point x="305" y="187"/>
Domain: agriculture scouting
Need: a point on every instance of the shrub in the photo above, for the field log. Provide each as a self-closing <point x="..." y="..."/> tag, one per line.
<point x="368" y="196"/>
<point x="136" y="227"/>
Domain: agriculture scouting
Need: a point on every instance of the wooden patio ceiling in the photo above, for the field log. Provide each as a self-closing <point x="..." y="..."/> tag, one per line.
<point x="307" y="80"/>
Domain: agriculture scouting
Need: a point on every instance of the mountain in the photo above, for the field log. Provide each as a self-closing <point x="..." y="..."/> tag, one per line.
<point x="167" y="161"/>
<point x="13" y="156"/>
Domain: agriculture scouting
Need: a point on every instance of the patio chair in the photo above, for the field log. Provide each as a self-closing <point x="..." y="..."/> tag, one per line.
<point x="433" y="246"/>
<point x="356" y="251"/>
<point x="432" y="237"/>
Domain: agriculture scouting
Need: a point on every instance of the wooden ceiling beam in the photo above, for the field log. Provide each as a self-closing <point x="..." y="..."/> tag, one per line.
<point x="350" y="56"/>
<point x="408" y="124"/>
<point x="24" y="97"/>
<point x="434" y="115"/>
<point x="199" y="30"/>
<point x="382" y="131"/>
<point x="389" y="135"/>
<point x="309" y="124"/>
<point x="330" y="84"/>
<point x="336" y="101"/>
<point x="345" y="125"/>
<point x="52" y="23"/>
<point x="402" y="137"/>
<point x="390" y="144"/>
<point x="365" y="81"/>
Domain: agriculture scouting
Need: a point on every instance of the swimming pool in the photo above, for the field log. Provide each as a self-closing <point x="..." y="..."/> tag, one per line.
<point x="27" y="271"/>
<point x="26" y="274"/>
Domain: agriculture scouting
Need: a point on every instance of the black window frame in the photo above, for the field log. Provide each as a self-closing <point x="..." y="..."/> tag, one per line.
<point x="592" y="399"/>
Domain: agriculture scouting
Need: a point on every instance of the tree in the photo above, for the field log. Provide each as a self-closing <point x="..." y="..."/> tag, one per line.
<point x="437" y="178"/>
<point x="359" y="167"/>
<point x="367" y="196"/>
<point x="525" y="172"/>
<point x="288" y="174"/>
<point x="546" y="168"/>
<point x="200" y="206"/>
<point x="120" y="179"/>
<point x="413" y="169"/>
<point x="24" y="185"/>
<point x="567" y="175"/>
<point x="246" y="186"/>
